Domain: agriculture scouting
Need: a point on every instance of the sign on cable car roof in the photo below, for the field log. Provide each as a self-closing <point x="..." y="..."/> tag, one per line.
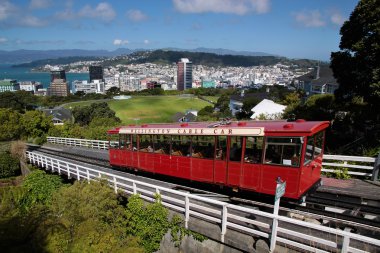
<point x="245" y="128"/>
<point x="252" y="131"/>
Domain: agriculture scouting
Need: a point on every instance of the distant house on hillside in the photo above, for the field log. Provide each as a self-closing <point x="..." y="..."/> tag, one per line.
<point x="318" y="81"/>
<point x="59" y="115"/>
<point x="189" y="116"/>
<point x="236" y="101"/>
<point x="269" y="109"/>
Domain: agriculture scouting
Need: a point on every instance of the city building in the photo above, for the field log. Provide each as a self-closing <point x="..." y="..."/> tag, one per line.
<point x="9" y="85"/>
<point x="97" y="86"/>
<point x="184" y="74"/>
<point x="208" y="84"/>
<point x="318" y="81"/>
<point x="58" y="86"/>
<point x="96" y="73"/>
<point x="30" y="86"/>
<point x="57" y="74"/>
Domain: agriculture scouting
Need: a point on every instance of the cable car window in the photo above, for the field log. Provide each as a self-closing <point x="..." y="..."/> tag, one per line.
<point x="122" y="141"/>
<point x="221" y="148"/>
<point x="236" y="148"/>
<point x="203" y="147"/>
<point x="309" y="149"/>
<point x="181" y="145"/>
<point x="134" y="142"/>
<point x="146" y="143"/>
<point x="161" y="144"/>
<point x="284" y="151"/>
<point x="253" y="149"/>
<point x="318" y="144"/>
<point x="114" y="141"/>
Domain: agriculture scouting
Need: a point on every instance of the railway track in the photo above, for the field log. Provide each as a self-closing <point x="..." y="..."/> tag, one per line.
<point x="318" y="208"/>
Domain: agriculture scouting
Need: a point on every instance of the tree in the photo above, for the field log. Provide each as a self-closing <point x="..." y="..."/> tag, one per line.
<point x="36" y="124"/>
<point x="40" y="187"/>
<point x="356" y="66"/>
<point x="10" y="125"/>
<point x="88" y="218"/>
<point x="9" y="166"/>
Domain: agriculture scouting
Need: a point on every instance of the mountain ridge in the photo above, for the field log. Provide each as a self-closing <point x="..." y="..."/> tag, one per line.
<point x="26" y="55"/>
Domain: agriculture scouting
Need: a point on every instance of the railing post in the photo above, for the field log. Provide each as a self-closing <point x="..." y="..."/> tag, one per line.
<point x="134" y="188"/>
<point x="88" y="176"/>
<point x="187" y="211"/>
<point x="78" y="176"/>
<point x="115" y="184"/>
<point x="346" y="241"/>
<point x="224" y="222"/>
<point x="376" y="168"/>
<point x="59" y="167"/>
<point x="68" y="170"/>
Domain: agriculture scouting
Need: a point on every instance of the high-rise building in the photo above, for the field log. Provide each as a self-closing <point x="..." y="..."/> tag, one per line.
<point x="57" y="74"/>
<point x="58" y="86"/>
<point x="184" y="74"/>
<point x="96" y="73"/>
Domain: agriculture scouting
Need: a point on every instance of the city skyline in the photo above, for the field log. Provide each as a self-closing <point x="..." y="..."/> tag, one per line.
<point x="291" y="28"/>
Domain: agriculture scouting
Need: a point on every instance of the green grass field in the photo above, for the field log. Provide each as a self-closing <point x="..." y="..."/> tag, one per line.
<point x="153" y="109"/>
<point x="149" y="109"/>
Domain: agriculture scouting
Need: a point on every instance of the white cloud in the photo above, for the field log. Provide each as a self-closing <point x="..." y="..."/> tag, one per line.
<point x="136" y="15"/>
<point x="39" y="4"/>
<point x="309" y="18"/>
<point x="3" y="40"/>
<point x="239" y="7"/>
<point x="6" y="9"/>
<point x="103" y="11"/>
<point x="119" y="42"/>
<point x="146" y="42"/>
<point x="337" y="18"/>
<point x="32" y="21"/>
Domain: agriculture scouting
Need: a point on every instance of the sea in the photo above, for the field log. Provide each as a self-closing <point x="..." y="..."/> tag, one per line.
<point x="25" y="74"/>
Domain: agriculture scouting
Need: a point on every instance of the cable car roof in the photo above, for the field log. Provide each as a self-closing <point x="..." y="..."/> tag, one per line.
<point x="254" y="128"/>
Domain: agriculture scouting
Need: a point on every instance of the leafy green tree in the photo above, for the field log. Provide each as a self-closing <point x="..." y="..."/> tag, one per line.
<point x="356" y="66"/>
<point x="10" y="125"/>
<point x="207" y="110"/>
<point x="149" y="222"/>
<point x="223" y="104"/>
<point x="9" y="166"/>
<point x="40" y="187"/>
<point x="316" y="107"/>
<point x="85" y="114"/>
<point x="36" y="124"/>
<point x="88" y="218"/>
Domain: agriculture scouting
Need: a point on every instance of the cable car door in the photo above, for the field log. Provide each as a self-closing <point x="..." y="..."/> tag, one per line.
<point x="234" y="160"/>
<point x="220" y="161"/>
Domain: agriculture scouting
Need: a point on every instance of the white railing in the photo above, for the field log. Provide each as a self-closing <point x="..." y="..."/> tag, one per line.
<point x="256" y="223"/>
<point x="332" y="163"/>
<point x="96" y="144"/>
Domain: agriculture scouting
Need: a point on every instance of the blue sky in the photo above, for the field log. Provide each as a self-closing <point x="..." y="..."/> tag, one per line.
<point x="291" y="28"/>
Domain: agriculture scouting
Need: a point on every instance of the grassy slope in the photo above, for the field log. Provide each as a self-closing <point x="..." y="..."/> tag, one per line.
<point x="153" y="109"/>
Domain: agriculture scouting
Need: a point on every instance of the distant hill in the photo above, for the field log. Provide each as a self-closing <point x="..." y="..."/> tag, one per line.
<point x="208" y="59"/>
<point x="169" y="57"/>
<point x="25" y="56"/>
<point x="220" y="51"/>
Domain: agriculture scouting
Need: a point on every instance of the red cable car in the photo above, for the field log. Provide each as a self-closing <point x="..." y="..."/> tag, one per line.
<point x="242" y="155"/>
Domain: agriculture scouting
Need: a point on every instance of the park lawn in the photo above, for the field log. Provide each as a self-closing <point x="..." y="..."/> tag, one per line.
<point x="154" y="109"/>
